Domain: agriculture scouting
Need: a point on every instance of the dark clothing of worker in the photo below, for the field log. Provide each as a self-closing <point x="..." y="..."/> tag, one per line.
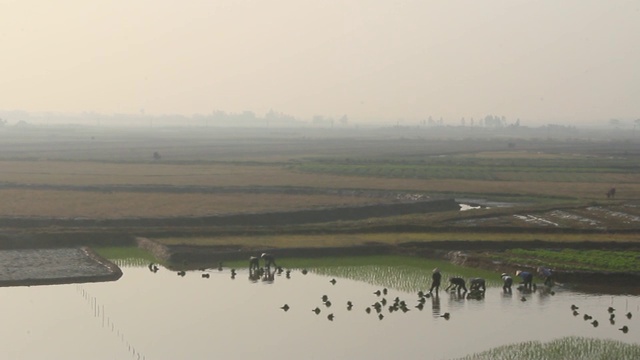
<point x="456" y="283"/>
<point x="254" y="263"/>
<point x="268" y="260"/>
<point x="436" y="277"/>
<point x="477" y="284"/>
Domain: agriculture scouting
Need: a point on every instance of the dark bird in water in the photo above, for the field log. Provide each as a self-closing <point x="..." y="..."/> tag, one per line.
<point x="182" y="273"/>
<point x="611" y="310"/>
<point x="285" y="307"/>
<point x="523" y="299"/>
<point x="380" y="316"/>
<point x="333" y="281"/>
<point x="420" y="294"/>
<point x="304" y="271"/>
<point x="594" y="323"/>
<point x="327" y="303"/>
<point x="575" y="313"/>
<point x="205" y="276"/>
<point x="446" y="316"/>
<point x="288" y="274"/>
<point x="330" y="317"/>
<point x="384" y="291"/>
<point x="427" y="295"/>
<point x="573" y="307"/>
<point x="316" y="310"/>
<point x="368" y="310"/>
<point x="153" y="268"/>
<point x="377" y="292"/>
<point x="624" y="329"/>
<point x="629" y="315"/>
<point x="612" y="316"/>
<point x="613" y="322"/>
<point x="233" y="272"/>
<point x="587" y="317"/>
<point x="325" y="298"/>
<point x="420" y="306"/>
<point x="349" y="305"/>
<point x="383" y="301"/>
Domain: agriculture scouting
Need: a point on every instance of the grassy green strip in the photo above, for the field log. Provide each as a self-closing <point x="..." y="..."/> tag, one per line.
<point x="596" y="260"/>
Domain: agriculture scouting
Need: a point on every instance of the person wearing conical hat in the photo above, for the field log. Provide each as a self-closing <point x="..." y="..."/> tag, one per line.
<point x="436" y="277"/>
<point x="527" y="279"/>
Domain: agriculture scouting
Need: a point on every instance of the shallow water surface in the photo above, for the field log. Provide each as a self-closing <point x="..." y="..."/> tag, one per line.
<point x="161" y="315"/>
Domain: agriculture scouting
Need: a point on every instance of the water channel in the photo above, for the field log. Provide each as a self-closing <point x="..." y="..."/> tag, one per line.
<point x="162" y="315"/>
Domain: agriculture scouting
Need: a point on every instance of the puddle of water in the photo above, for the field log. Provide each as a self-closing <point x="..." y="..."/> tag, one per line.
<point x="469" y="204"/>
<point x="165" y="316"/>
<point x="467" y="207"/>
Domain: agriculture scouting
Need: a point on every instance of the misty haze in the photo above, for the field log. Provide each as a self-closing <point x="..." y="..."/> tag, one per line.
<point x="327" y="180"/>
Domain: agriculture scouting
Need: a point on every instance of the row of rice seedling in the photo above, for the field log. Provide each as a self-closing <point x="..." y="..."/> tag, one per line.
<point x="567" y="348"/>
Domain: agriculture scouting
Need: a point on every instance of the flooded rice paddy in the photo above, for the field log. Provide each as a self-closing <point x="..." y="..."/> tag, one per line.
<point x="207" y="313"/>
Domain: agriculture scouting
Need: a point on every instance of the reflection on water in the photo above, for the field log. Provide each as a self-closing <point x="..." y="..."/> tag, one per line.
<point x="161" y="315"/>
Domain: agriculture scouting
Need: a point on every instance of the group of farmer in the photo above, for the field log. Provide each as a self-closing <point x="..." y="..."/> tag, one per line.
<point x="477" y="286"/>
<point x="256" y="272"/>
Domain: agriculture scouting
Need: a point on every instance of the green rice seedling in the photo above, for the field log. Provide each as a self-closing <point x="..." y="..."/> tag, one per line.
<point x="567" y="348"/>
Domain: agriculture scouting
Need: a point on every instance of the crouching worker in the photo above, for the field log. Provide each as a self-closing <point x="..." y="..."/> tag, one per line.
<point x="547" y="275"/>
<point x="456" y="283"/>
<point x="477" y="289"/>
<point x="268" y="260"/>
<point x="507" y="281"/>
<point x="477" y="284"/>
<point x="254" y="263"/>
<point x="527" y="279"/>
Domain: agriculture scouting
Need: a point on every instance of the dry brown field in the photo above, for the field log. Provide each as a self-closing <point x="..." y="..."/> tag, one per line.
<point x="110" y="174"/>
<point x="44" y="188"/>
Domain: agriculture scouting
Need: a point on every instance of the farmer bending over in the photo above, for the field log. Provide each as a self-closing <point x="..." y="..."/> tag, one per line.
<point x="527" y="279"/>
<point x="456" y="283"/>
<point x="507" y="281"/>
<point x="268" y="260"/>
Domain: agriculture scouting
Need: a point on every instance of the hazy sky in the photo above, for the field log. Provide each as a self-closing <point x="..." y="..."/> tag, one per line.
<point x="541" y="61"/>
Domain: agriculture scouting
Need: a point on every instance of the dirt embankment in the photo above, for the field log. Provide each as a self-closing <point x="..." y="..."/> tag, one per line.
<point x="44" y="233"/>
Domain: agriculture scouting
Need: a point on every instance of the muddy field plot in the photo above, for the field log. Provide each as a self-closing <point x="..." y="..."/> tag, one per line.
<point x="585" y="218"/>
<point x="53" y="266"/>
